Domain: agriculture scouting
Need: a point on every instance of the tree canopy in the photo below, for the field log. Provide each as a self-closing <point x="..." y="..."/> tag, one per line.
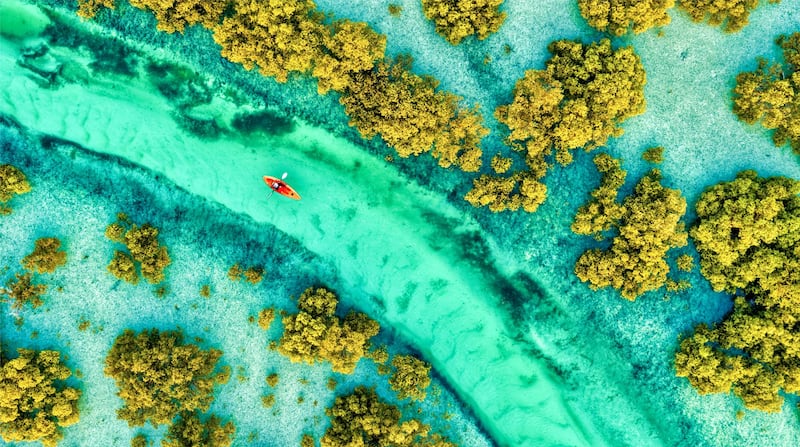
<point x="34" y="402"/>
<point x="748" y="238"/>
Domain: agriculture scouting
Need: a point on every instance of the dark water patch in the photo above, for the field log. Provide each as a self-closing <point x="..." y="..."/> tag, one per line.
<point x="178" y="83"/>
<point x="205" y="129"/>
<point x="265" y="122"/>
<point x="110" y="54"/>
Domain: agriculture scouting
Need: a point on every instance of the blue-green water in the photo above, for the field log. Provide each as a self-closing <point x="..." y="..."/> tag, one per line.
<point x="523" y="352"/>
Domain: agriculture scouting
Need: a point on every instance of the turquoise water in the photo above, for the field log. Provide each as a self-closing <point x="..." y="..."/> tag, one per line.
<point x="525" y="355"/>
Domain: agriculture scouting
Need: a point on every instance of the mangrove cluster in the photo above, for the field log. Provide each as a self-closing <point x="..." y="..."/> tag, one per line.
<point x="620" y="16"/>
<point x="12" y="182"/>
<point x="748" y="237"/>
<point x="733" y="15"/>
<point x="190" y="430"/>
<point x="648" y="224"/>
<point x="159" y="376"/>
<point x="771" y="95"/>
<point x="146" y="257"/>
<point x="316" y="334"/>
<point x="457" y="19"/>
<point x="34" y="401"/>
<point x="578" y="101"/>
<point x="45" y="258"/>
<point x="362" y="418"/>
<point x="411" y="377"/>
<point x="253" y="274"/>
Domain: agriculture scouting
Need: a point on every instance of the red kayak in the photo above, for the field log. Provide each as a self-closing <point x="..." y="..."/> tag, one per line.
<point x="281" y="187"/>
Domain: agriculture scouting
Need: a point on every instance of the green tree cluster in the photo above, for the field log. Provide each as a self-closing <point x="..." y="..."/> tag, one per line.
<point x="12" y="182"/>
<point x="89" y="8"/>
<point x="603" y="211"/>
<point x="411" y="377"/>
<point x="579" y="100"/>
<point x="748" y="237"/>
<point x="412" y="116"/>
<point x="733" y="13"/>
<point x="619" y="16"/>
<point x="143" y="247"/>
<point x="253" y="274"/>
<point x="22" y="290"/>
<point x="771" y="95"/>
<point x="316" y="334"/>
<point x="648" y="223"/>
<point x="361" y="419"/>
<point x="520" y="189"/>
<point x="457" y="19"/>
<point x="278" y="37"/>
<point x="176" y="15"/>
<point x="654" y="155"/>
<point x="190" y="431"/>
<point x="348" y="48"/>
<point x="46" y="256"/>
<point x="159" y="376"/>
<point x="34" y="402"/>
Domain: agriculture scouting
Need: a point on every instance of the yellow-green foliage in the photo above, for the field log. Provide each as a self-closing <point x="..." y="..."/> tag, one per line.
<point x="500" y="164"/>
<point x="307" y="441"/>
<point x="254" y="274"/>
<point x="265" y="317"/>
<point x="411" y="377"/>
<point x="411" y="116"/>
<point x="395" y="10"/>
<point x="123" y="267"/>
<point x="22" y="290"/>
<point x="349" y="47"/>
<point x="771" y="95"/>
<point x="457" y="19"/>
<point x="579" y="100"/>
<point x="619" y="16"/>
<point x="654" y="155"/>
<point x="159" y="376"/>
<point x="747" y="237"/>
<point x="649" y="226"/>
<point x="139" y="441"/>
<point x="45" y="257"/>
<point x="734" y="13"/>
<point x="175" y="15"/>
<point x="268" y="400"/>
<point x="88" y="8"/>
<point x="190" y="431"/>
<point x="12" y="182"/>
<point x="277" y="36"/>
<point x="272" y="379"/>
<point x="33" y="406"/>
<point x="685" y="263"/>
<point x="235" y="272"/>
<point x="315" y="334"/>
<point x="521" y="189"/>
<point x="379" y="355"/>
<point x="603" y="211"/>
<point x="458" y="143"/>
<point x="142" y="243"/>
<point x="361" y="418"/>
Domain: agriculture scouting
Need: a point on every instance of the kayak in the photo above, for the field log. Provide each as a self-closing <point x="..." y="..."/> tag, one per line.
<point x="281" y="187"/>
